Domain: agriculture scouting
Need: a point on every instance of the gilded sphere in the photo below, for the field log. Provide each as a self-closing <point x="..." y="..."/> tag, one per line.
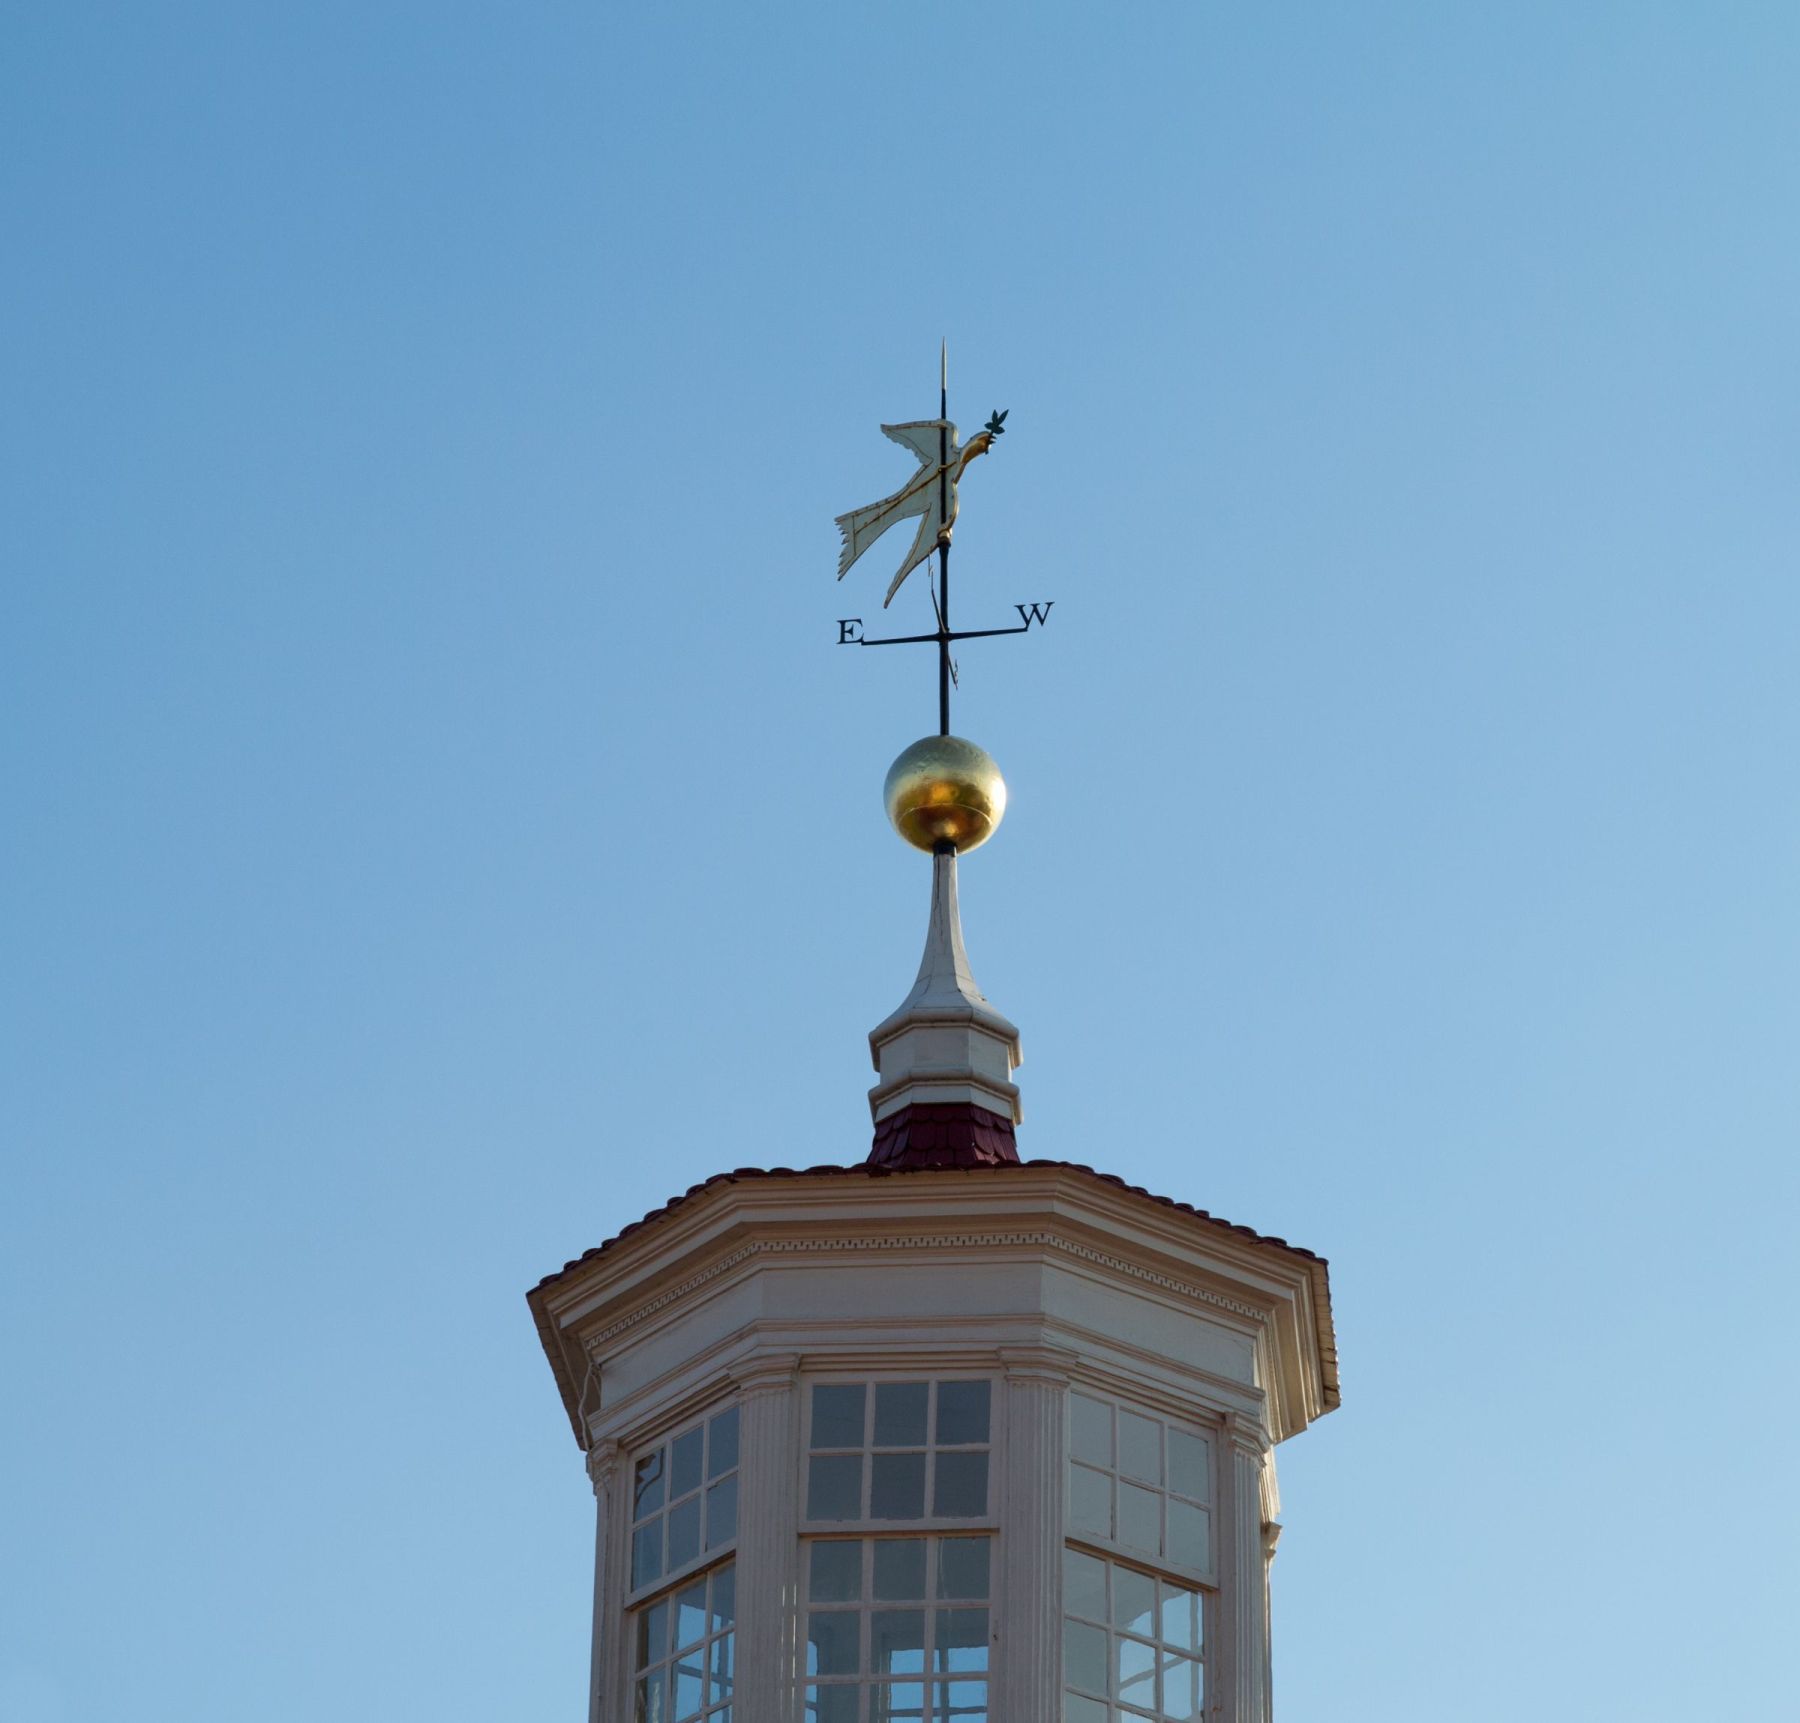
<point x="945" y="790"/>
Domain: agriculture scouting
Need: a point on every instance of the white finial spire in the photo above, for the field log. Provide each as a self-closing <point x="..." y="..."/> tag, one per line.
<point x="946" y="1056"/>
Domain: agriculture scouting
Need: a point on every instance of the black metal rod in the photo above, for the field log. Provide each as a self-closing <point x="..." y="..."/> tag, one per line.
<point x="932" y="639"/>
<point x="944" y="543"/>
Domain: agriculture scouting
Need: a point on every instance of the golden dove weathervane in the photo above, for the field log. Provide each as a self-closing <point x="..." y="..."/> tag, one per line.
<point x="943" y="794"/>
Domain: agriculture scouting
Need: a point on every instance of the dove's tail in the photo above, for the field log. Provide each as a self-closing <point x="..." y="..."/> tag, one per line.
<point x="853" y="527"/>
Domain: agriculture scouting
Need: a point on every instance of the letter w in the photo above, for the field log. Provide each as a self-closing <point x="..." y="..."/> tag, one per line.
<point x="1038" y="613"/>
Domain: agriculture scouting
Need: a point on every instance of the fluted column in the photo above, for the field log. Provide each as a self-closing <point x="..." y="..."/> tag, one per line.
<point x="768" y="1550"/>
<point x="603" y="1473"/>
<point x="1245" y="1675"/>
<point x="1028" y="1622"/>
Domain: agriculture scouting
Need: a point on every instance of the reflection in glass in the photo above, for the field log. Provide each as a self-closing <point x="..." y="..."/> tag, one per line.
<point x="646" y="1553"/>
<point x="722" y="1443"/>
<point x="1183" y="1688"/>
<point x="652" y="1691"/>
<point x="836" y="1575"/>
<point x="899" y="1414"/>
<point x="962" y="1413"/>
<point x="899" y="1569"/>
<point x="837" y="1414"/>
<point x="1090" y="1502"/>
<point x="897" y="1641"/>
<point x="1140" y="1518"/>
<point x="1136" y="1671"/>
<point x="684" y="1532"/>
<point x="1189" y="1543"/>
<point x="690" y="1689"/>
<point x="897" y="1486"/>
<point x="962" y="1567"/>
<point x="684" y="1471"/>
<point x="831" y="1704"/>
<point x="1190" y="1470"/>
<point x="960" y="1491"/>
<point x="690" y="1615"/>
<point x="961" y="1702"/>
<point x="1140" y="1447"/>
<point x="721" y="1666"/>
<point x="1181" y="1621"/>
<point x="834" y="1487"/>
<point x="649" y="1487"/>
<point x="1079" y="1710"/>
<point x="1090" y="1430"/>
<point x="898" y="1702"/>
<point x="1134" y="1601"/>
<point x="721" y="1513"/>
<point x="960" y="1641"/>
<point x="1084" y="1585"/>
<point x="653" y="1633"/>
<point x="831" y="1641"/>
<point x="1084" y="1656"/>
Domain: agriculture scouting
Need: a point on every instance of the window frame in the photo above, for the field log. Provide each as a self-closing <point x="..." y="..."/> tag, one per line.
<point x="669" y="1659"/>
<point x="1163" y="1652"/>
<point x="872" y="1379"/>
<point x="1114" y="1546"/>
<point x="705" y="1557"/>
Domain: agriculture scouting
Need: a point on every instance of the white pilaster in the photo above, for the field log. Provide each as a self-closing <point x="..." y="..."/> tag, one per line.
<point x="1243" y="1668"/>
<point x="603" y="1472"/>
<point x="1028" y="1573"/>
<point x="768" y="1548"/>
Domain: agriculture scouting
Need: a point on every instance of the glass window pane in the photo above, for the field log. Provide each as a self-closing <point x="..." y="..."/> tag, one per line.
<point x="646" y="1553"/>
<point x="900" y="1414"/>
<point x="652" y="1697"/>
<point x="1079" y="1710"/>
<point x="1140" y="1447"/>
<point x="897" y="1487"/>
<point x="961" y="1702"/>
<point x="653" y="1633"/>
<point x="1084" y="1585"/>
<point x="898" y="1702"/>
<point x="834" y="1487"/>
<point x="960" y="1642"/>
<point x="836" y="1575"/>
<point x="1084" y="1656"/>
<point x="724" y="1598"/>
<point x="962" y="1412"/>
<point x="690" y="1615"/>
<point x="1189" y="1542"/>
<point x="1136" y="1664"/>
<point x="721" y="1666"/>
<point x="831" y="1641"/>
<point x="960" y="1490"/>
<point x="1090" y="1502"/>
<point x="722" y="1443"/>
<point x="837" y="1414"/>
<point x="1181" y="1620"/>
<point x="897" y="1641"/>
<point x="684" y="1532"/>
<point x="689" y="1689"/>
<point x="831" y="1704"/>
<point x="648" y="1496"/>
<point x="963" y="1568"/>
<point x="1134" y="1601"/>
<point x="1140" y="1518"/>
<point x="1190" y="1468"/>
<point x="1183" y="1691"/>
<point x="1090" y="1433"/>
<point x="721" y="1512"/>
<point x="900" y="1570"/>
<point x="684" y="1469"/>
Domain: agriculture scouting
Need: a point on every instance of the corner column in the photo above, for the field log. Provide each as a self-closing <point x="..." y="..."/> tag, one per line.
<point x="1028" y="1574"/>
<point x="1245" y="1679"/>
<point x="603" y="1474"/>
<point x="768" y="1549"/>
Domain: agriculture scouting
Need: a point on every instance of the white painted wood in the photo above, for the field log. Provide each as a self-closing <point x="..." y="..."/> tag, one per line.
<point x="945" y="1042"/>
<point x="1244" y="1661"/>
<point x="768" y="1543"/>
<point x="1028" y="1585"/>
<point x="604" y="1677"/>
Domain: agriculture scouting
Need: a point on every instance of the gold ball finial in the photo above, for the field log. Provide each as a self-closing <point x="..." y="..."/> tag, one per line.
<point x="945" y="790"/>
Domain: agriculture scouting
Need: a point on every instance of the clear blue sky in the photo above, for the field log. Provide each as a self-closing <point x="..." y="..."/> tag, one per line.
<point x="439" y="825"/>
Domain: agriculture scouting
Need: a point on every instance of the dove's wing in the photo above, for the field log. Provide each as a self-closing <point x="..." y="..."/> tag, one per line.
<point x="921" y="436"/>
<point x="922" y="547"/>
<point x="861" y="527"/>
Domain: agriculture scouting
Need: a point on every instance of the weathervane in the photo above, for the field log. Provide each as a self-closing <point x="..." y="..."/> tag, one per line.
<point x="931" y="495"/>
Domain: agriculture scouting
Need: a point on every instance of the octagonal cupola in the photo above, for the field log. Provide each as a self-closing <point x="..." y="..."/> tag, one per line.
<point x="933" y="1433"/>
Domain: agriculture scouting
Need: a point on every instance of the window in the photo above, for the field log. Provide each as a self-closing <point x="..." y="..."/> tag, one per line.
<point x="1140" y="1483"/>
<point x="897" y="1630"/>
<point x="684" y="1500"/>
<point x="897" y="1451"/>
<point x="1133" y="1644"/>
<point x="683" y="1649"/>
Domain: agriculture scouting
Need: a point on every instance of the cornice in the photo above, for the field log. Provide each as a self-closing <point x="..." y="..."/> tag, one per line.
<point x="597" y="1341"/>
<point x="602" y="1463"/>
